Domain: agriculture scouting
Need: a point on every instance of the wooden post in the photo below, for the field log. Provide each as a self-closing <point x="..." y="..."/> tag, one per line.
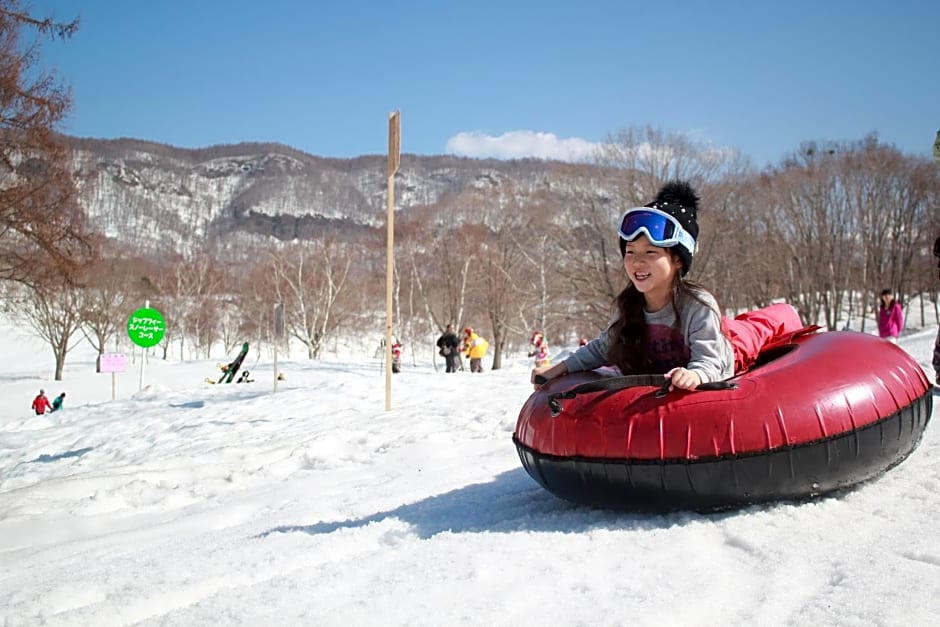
<point x="394" y="158"/>
<point x="278" y="334"/>
<point x="140" y="385"/>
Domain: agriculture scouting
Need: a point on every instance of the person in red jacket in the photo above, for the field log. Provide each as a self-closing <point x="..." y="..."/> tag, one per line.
<point x="41" y="403"/>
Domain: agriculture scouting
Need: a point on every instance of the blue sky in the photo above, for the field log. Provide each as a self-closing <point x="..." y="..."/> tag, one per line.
<point x="501" y="78"/>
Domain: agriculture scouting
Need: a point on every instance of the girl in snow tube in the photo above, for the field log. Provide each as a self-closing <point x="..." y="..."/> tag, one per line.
<point x="633" y="447"/>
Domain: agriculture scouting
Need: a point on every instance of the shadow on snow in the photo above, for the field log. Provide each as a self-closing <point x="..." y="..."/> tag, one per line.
<point x="512" y="502"/>
<point x="46" y="459"/>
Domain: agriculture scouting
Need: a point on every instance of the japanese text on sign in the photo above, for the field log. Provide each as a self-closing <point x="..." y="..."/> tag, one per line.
<point x="145" y="327"/>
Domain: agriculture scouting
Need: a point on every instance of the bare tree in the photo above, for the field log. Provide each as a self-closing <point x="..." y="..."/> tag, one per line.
<point x="189" y="289"/>
<point x="442" y="247"/>
<point x="54" y="314"/>
<point x="311" y="280"/>
<point x="257" y="295"/>
<point x="844" y="219"/>
<point x="104" y="307"/>
<point x="734" y="218"/>
<point x="501" y="264"/>
<point x="418" y="321"/>
<point x="589" y="261"/>
<point x="892" y="194"/>
<point x="42" y="229"/>
<point x="541" y="301"/>
<point x="807" y="217"/>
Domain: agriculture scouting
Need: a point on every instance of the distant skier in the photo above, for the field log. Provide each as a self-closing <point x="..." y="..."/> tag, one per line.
<point x="540" y="349"/>
<point x="57" y="402"/>
<point x="396" y="357"/>
<point x="475" y="348"/>
<point x="229" y="370"/>
<point x="890" y="317"/>
<point x="541" y="355"/>
<point x="243" y="378"/>
<point x="41" y="403"/>
<point x="449" y="348"/>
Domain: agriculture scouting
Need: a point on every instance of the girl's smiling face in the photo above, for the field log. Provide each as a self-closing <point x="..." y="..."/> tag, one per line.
<point x="652" y="270"/>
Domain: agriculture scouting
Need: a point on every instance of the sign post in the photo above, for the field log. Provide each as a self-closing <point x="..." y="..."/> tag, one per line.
<point x="113" y="362"/>
<point x="146" y="328"/>
<point x="394" y="159"/>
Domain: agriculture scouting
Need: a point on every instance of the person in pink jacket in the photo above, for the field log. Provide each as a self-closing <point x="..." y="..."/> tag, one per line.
<point x="890" y="317"/>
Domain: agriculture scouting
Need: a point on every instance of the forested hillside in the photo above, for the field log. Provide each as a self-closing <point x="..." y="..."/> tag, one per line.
<point x="214" y="236"/>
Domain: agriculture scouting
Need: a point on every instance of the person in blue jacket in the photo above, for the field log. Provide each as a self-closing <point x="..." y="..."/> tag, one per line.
<point x="57" y="402"/>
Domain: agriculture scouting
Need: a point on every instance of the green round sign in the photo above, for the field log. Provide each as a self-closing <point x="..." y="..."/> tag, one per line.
<point x="146" y="327"/>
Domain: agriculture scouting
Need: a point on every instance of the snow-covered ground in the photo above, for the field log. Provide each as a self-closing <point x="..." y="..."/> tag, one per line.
<point x="188" y="504"/>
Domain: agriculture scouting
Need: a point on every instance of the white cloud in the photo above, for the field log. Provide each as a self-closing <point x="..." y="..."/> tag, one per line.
<point x="520" y="144"/>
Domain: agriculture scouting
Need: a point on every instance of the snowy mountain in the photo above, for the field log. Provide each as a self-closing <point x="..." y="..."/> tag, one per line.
<point x="165" y="199"/>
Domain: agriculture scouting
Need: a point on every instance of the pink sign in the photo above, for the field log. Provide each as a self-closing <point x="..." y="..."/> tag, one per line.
<point x="113" y="362"/>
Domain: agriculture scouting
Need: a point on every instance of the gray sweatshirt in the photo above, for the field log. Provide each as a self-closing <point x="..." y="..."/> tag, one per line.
<point x="699" y="345"/>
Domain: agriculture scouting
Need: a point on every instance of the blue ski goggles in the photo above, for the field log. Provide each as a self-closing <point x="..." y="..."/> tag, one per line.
<point x="660" y="228"/>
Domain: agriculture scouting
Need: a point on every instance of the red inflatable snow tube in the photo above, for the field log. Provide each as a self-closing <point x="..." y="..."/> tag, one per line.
<point x="820" y="413"/>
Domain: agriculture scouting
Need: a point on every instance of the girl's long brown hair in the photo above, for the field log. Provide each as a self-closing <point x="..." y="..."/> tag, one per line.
<point x="629" y="341"/>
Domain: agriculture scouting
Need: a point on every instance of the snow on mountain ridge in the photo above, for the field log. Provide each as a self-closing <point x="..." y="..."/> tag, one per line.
<point x="162" y="199"/>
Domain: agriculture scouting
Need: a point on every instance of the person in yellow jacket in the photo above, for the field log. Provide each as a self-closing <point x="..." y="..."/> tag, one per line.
<point x="474" y="347"/>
